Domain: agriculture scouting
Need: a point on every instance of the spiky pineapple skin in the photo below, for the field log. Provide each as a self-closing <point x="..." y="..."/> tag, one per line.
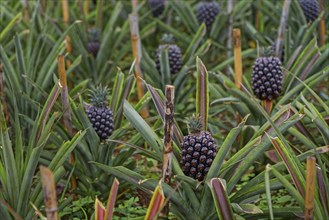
<point x="101" y="119"/>
<point x="174" y="56"/>
<point x="207" y="12"/>
<point x="310" y="9"/>
<point x="267" y="78"/>
<point x="93" y="47"/>
<point x="157" y="7"/>
<point x="198" y="153"/>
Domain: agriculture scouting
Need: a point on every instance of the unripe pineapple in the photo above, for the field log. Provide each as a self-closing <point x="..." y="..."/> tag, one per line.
<point x="174" y="54"/>
<point x="310" y="9"/>
<point x="93" y="44"/>
<point x="198" y="150"/>
<point x="99" y="114"/>
<point x="207" y="12"/>
<point x="267" y="77"/>
<point x="157" y="7"/>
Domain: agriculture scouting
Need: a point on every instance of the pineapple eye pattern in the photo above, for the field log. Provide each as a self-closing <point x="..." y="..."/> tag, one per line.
<point x="157" y="7"/>
<point x="99" y="114"/>
<point x="267" y="78"/>
<point x="310" y="8"/>
<point x="207" y="12"/>
<point x="174" y="56"/>
<point x="201" y="148"/>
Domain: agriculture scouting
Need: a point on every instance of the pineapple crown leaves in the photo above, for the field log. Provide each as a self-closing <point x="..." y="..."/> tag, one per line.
<point x="267" y="52"/>
<point x="98" y="96"/>
<point x="167" y="39"/>
<point x="194" y="124"/>
<point x="94" y="34"/>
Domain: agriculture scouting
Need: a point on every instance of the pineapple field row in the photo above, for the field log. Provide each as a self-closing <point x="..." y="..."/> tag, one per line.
<point x="164" y="109"/>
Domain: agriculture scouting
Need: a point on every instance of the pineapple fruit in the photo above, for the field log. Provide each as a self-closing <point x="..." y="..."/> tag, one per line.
<point x="99" y="114"/>
<point x="310" y="9"/>
<point x="198" y="150"/>
<point x="174" y="54"/>
<point x="157" y="7"/>
<point x="93" y="44"/>
<point x="207" y="12"/>
<point x="267" y="77"/>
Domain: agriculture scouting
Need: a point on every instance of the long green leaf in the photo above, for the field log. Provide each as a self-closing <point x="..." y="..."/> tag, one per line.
<point x="10" y="26"/>
<point x="290" y="161"/>
<point x="257" y="150"/>
<point x="224" y="149"/>
<point x="289" y="187"/>
<point x="11" y="183"/>
<point x="194" y="45"/>
<point x="141" y="126"/>
<point x="268" y="192"/>
<point x="31" y="166"/>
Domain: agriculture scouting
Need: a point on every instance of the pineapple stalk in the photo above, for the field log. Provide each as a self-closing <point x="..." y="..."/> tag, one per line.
<point x="168" y="141"/>
<point x="310" y="188"/>
<point x="322" y="25"/>
<point x="237" y="57"/>
<point x="26" y="10"/>
<point x="65" y="10"/>
<point x="86" y="7"/>
<point x="282" y="28"/>
<point x="66" y="109"/>
<point x="99" y="14"/>
<point x="66" y="19"/>
<point x="137" y="53"/>
<point x="49" y="192"/>
<point x="237" y="63"/>
<point x="43" y="6"/>
<point x="230" y="5"/>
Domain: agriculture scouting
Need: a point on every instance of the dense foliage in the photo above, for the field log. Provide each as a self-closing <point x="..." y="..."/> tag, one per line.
<point x="260" y="166"/>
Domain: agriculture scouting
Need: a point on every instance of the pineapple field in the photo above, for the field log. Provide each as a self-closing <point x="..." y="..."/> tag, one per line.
<point x="164" y="109"/>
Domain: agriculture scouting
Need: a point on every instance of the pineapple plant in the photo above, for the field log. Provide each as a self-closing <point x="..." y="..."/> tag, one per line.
<point x="267" y="77"/>
<point x="207" y="12"/>
<point x="174" y="54"/>
<point x="198" y="150"/>
<point x="157" y="7"/>
<point x="99" y="114"/>
<point x="93" y="44"/>
<point x="310" y="9"/>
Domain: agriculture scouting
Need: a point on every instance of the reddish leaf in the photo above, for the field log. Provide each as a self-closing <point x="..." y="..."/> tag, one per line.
<point x="111" y="199"/>
<point x="99" y="210"/>
<point x="156" y="203"/>
<point x="323" y="191"/>
<point x="272" y="155"/>
<point x="223" y="205"/>
<point x="202" y="93"/>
